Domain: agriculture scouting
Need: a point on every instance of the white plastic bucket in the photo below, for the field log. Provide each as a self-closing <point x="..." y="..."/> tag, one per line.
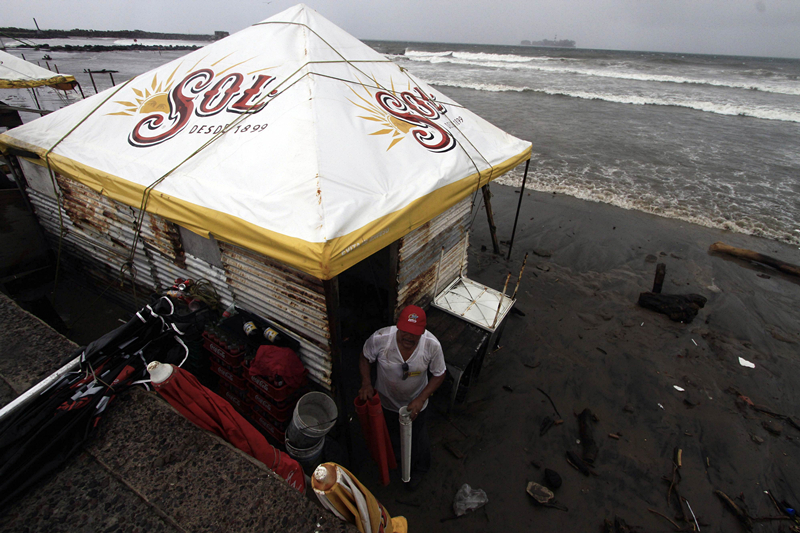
<point x="315" y="414"/>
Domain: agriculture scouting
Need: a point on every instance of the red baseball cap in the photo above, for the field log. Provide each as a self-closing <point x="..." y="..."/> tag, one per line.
<point x="412" y="320"/>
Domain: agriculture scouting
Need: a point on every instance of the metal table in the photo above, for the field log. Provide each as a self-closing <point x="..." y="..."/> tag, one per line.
<point x="467" y="318"/>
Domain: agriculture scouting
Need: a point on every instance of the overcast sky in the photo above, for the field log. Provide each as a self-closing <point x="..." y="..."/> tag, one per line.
<point x="737" y="27"/>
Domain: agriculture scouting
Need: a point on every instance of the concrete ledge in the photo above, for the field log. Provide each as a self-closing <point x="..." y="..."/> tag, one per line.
<point x="147" y="469"/>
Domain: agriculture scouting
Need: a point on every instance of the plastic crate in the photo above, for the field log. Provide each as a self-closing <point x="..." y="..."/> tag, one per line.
<point x="234" y="397"/>
<point x="266" y="424"/>
<point x="237" y="381"/>
<point x="279" y="394"/>
<point x="234" y="360"/>
<point x="235" y="370"/>
<point x="280" y="411"/>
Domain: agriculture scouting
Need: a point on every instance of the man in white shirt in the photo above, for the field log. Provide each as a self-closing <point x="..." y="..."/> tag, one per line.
<point x="404" y="355"/>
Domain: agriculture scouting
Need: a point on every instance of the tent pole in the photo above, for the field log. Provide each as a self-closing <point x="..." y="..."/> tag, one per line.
<point x="519" y="204"/>
<point x="331" y="287"/>
<point x="490" y="216"/>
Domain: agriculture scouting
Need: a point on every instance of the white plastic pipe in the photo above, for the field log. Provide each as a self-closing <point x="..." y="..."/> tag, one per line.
<point x="405" y="444"/>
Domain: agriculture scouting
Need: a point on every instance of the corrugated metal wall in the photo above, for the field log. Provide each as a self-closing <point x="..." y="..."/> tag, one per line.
<point x="294" y="299"/>
<point x="419" y="253"/>
<point x="99" y="233"/>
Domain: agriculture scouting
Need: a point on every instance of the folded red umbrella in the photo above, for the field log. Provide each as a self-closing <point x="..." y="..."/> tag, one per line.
<point x="373" y="426"/>
<point x="213" y="413"/>
<point x="274" y="361"/>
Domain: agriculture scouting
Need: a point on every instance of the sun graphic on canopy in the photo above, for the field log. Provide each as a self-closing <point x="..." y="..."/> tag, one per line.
<point x="390" y="125"/>
<point x="154" y="99"/>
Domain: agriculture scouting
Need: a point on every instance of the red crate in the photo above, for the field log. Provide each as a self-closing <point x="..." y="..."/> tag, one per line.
<point x="224" y="355"/>
<point x="234" y="396"/>
<point x="264" y="423"/>
<point x="265" y="388"/>
<point x="237" y="381"/>
<point x="235" y="370"/>
<point x="281" y="411"/>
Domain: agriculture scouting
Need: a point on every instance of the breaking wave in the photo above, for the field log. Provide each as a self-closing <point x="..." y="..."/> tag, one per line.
<point x="542" y="64"/>
<point x="779" y="229"/>
<point x="708" y="107"/>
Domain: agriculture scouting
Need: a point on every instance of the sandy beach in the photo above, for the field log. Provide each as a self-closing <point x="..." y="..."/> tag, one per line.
<point x="585" y="342"/>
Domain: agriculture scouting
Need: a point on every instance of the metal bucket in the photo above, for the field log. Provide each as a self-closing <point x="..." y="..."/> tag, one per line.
<point x="314" y="415"/>
<point x="308" y="458"/>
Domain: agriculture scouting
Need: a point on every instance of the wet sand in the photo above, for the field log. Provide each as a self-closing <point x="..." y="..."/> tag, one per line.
<point x="585" y="342"/>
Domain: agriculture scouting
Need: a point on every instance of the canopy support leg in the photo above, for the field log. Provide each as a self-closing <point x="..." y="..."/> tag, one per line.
<point x="487" y="200"/>
<point x="331" y="288"/>
<point x="519" y="204"/>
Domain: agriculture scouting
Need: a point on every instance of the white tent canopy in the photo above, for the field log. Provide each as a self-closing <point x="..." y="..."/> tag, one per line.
<point x="291" y="138"/>
<point x="16" y="73"/>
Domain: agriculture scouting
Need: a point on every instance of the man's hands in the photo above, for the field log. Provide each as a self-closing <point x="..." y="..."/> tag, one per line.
<point x="416" y="406"/>
<point x="366" y="392"/>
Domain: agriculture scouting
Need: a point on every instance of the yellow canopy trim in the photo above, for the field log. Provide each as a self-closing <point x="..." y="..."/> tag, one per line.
<point x="334" y="256"/>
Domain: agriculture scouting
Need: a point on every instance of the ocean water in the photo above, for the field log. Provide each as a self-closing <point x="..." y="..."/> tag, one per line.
<point x="712" y="140"/>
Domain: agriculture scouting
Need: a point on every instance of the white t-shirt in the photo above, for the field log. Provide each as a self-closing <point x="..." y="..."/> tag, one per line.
<point x="395" y="391"/>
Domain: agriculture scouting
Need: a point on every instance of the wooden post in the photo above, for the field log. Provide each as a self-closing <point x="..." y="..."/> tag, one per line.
<point x="487" y="200"/>
<point x="519" y="204"/>
<point x="331" y="288"/>
<point x="658" y="282"/>
<point x="110" y="75"/>
<point x="93" y="83"/>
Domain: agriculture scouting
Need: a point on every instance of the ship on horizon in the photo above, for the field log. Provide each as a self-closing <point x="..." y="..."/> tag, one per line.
<point x="555" y="43"/>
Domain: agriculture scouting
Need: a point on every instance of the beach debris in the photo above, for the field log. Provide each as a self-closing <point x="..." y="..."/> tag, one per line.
<point x="665" y="516"/>
<point x="735" y="509"/>
<point x="552" y="479"/>
<point x="614" y="436"/>
<point x="661" y="406"/>
<point x="658" y="281"/>
<point x="773" y="428"/>
<point x="692" y="512"/>
<point x="617" y="526"/>
<point x="468" y="499"/>
<point x="545" y="426"/>
<point x="744" y="362"/>
<point x="679" y="389"/>
<point x="749" y="255"/>
<point x="602" y="351"/>
<point x="543" y="496"/>
<point x="551" y="401"/>
<point x="587" y="436"/>
<point x="578" y="464"/>
<point x="757" y="439"/>
<point x="678" y="307"/>
<point x="457" y="453"/>
<point x="695" y="342"/>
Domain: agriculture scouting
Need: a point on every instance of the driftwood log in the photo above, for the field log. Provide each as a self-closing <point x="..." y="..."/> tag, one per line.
<point x="742" y="253"/>
<point x="658" y="281"/>
<point x="678" y="307"/>
<point x="586" y="432"/>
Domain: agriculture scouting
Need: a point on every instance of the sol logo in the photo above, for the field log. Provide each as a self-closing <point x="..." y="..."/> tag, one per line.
<point x="199" y="93"/>
<point x="411" y="112"/>
<point x="420" y="111"/>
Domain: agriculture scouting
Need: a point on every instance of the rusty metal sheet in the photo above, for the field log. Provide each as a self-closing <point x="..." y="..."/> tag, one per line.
<point x="292" y="299"/>
<point x="420" y="251"/>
